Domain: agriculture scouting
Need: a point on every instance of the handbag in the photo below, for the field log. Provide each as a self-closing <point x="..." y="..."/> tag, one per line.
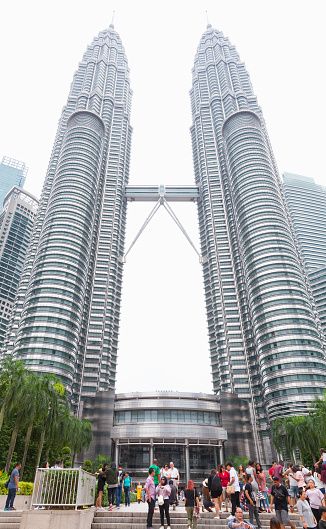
<point x="260" y="495"/>
<point x="160" y="500"/>
<point x="7" y="484"/>
<point x="196" y="508"/>
<point x="230" y="489"/>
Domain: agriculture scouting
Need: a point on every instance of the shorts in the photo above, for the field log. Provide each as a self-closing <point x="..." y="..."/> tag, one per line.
<point x="216" y="493"/>
<point x="100" y="486"/>
<point x="283" y="517"/>
<point x="294" y="491"/>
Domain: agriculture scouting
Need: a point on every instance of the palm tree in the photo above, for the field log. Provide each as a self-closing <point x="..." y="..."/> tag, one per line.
<point x="37" y="408"/>
<point x="84" y="437"/>
<point x="11" y="376"/>
<point x="19" y="407"/>
<point x="55" y="394"/>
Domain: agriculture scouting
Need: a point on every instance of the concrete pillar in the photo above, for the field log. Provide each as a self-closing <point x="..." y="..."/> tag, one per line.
<point x="187" y="461"/>
<point x="116" y="452"/>
<point x="221" y="453"/>
<point x="151" y="451"/>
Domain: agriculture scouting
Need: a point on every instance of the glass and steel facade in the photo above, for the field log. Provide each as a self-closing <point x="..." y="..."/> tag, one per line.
<point x="261" y="324"/>
<point x="306" y="203"/>
<point x="12" y="173"/>
<point x="185" y="428"/>
<point x="67" y="309"/>
<point x="16" y="225"/>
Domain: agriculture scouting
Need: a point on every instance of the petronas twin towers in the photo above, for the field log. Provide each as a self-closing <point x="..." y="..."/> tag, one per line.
<point x="265" y="340"/>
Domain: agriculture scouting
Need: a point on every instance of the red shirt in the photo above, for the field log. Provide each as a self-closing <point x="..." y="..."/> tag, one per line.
<point x="225" y="478"/>
<point x="271" y="471"/>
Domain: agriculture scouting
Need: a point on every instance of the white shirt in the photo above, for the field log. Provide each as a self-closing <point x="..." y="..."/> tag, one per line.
<point x="174" y="473"/>
<point x="319" y="484"/>
<point x="233" y="474"/>
<point x="293" y="482"/>
<point x="304" y="472"/>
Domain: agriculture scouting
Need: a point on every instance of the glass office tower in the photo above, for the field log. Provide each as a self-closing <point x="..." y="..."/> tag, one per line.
<point x="16" y="225"/>
<point x="12" y="173"/>
<point x="68" y="305"/>
<point x="261" y="324"/>
<point x="306" y="202"/>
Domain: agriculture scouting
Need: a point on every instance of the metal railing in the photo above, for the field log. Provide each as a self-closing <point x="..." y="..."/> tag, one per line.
<point x="59" y="487"/>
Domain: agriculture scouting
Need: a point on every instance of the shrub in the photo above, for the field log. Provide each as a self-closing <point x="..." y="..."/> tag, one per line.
<point x="99" y="462"/>
<point x="87" y="465"/>
<point x="26" y="488"/>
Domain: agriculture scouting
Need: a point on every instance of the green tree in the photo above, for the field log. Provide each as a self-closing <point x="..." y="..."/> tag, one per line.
<point x="11" y="375"/>
<point x="99" y="462"/>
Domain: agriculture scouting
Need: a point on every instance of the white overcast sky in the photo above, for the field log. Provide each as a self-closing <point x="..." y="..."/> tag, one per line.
<point x="163" y="332"/>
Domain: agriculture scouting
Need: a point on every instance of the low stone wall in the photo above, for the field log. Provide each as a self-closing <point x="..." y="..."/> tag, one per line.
<point x="21" y="503"/>
<point x="48" y="519"/>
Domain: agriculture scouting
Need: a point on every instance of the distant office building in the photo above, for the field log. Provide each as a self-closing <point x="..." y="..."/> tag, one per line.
<point x="12" y="173"/>
<point x="307" y="206"/>
<point x="16" y="224"/>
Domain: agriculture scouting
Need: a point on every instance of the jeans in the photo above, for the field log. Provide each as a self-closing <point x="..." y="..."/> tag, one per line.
<point x="118" y="492"/>
<point x="127" y="495"/>
<point x="235" y="501"/>
<point x="265" y="501"/>
<point x="253" y="511"/>
<point x="10" y="498"/>
<point x="190" y="513"/>
<point x="111" y="494"/>
<point x="165" y="509"/>
<point x="151" y="505"/>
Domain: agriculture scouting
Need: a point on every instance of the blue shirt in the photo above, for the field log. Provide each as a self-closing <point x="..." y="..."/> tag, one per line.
<point x="127" y="481"/>
<point x="12" y="483"/>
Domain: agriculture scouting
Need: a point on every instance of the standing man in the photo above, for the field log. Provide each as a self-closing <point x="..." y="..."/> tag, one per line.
<point x="157" y="475"/>
<point x="13" y="488"/>
<point x="58" y="464"/>
<point x="150" y="495"/>
<point x="174" y="475"/>
<point x="234" y="482"/>
<point x="280" y="496"/>
<point x="118" y="491"/>
<point x="278" y="471"/>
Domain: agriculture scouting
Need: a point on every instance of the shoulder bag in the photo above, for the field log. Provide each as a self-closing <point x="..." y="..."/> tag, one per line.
<point x="196" y="508"/>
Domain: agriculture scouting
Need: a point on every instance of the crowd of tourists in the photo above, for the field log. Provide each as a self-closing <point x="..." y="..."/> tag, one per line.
<point x="245" y="489"/>
<point x="226" y="489"/>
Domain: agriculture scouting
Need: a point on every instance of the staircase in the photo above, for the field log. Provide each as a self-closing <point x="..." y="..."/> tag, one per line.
<point x="133" y="520"/>
<point x="10" y="519"/>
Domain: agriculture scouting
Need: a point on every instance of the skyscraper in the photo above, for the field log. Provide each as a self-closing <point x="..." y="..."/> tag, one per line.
<point x="262" y="329"/>
<point x="306" y="202"/>
<point x="16" y="224"/>
<point x="71" y="289"/>
<point x="12" y="173"/>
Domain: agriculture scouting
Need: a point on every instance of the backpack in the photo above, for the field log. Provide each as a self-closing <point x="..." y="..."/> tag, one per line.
<point x="7" y="484"/>
<point x="216" y="485"/>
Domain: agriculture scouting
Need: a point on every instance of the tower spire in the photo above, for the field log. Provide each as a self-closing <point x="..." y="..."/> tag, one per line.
<point x="112" y="21"/>
<point x="207" y="20"/>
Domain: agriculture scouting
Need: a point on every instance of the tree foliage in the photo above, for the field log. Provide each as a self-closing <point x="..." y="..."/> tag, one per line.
<point x="305" y="433"/>
<point x="35" y="419"/>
